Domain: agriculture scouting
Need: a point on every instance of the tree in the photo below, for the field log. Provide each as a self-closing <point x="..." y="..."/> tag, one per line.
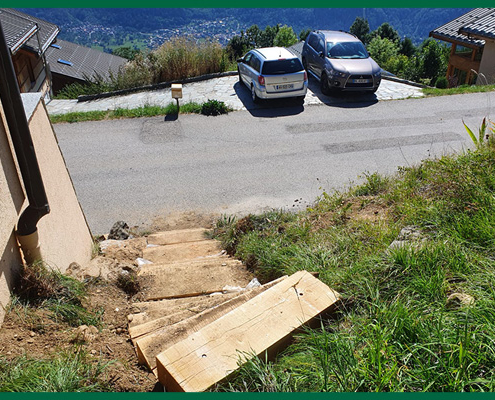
<point x="304" y="34"/>
<point x="125" y="52"/>
<point x="253" y="34"/>
<point x="285" y="37"/>
<point x="383" y="51"/>
<point x="238" y="46"/>
<point x="407" y="47"/>
<point x="268" y="35"/>
<point x="361" y="28"/>
<point x="434" y="59"/>
<point x="386" y="31"/>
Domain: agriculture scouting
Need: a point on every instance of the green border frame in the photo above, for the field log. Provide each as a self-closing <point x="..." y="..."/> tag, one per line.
<point x="231" y="4"/>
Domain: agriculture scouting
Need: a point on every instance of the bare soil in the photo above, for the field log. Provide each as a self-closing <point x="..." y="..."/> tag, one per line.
<point x="33" y="332"/>
<point x="36" y="335"/>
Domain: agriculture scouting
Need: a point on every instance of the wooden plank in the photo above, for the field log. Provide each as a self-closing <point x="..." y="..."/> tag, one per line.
<point x="183" y="281"/>
<point x="156" y="323"/>
<point x="151" y="269"/>
<point x="149" y="346"/>
<point x="177" y="236"/>
<point x="263" y="323"/>
<point x="149" y="311"/>
<point x="182" y="251"/>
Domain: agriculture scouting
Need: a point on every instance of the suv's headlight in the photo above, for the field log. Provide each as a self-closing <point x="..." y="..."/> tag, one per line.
<point x="379" y="73"/>
<point x="338" y="73"/>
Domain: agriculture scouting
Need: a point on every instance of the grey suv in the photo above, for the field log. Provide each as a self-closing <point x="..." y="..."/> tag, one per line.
<point x="340" y="61"/>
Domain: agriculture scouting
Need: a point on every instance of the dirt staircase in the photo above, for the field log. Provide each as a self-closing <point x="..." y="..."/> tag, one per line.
<point x="190" y="281"/>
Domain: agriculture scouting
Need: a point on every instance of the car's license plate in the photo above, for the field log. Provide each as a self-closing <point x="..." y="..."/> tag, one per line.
<point x="284" y="87"/>
<point x="360" y="81"/>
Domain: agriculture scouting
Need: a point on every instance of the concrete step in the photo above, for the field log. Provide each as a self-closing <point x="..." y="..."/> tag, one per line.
<point x="177" y="236"/>
<point x="183" y="251"/>
<point x="191" y="279"/>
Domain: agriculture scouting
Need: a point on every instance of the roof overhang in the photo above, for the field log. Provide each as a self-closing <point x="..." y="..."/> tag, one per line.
<point x="29" y="34"/>
<point x="465" y="43"/>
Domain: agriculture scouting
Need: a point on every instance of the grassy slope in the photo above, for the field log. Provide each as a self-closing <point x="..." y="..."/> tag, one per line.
<point x="396" y="330"/>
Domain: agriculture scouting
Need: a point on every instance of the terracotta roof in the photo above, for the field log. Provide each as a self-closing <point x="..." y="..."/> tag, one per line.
<point x="483" y="27"/>
<point x="80" y="62"/>
<point x="450" y="32"/>
<point x="21" y="29"/>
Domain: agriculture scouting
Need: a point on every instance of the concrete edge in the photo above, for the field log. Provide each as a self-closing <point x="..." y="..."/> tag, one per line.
<point x="404" y="81"/>
<point x="162" y="85"/>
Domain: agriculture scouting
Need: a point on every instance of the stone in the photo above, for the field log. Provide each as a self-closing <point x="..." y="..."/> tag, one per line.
<point x="408" y="236"/>
<point x="458" y="300"/>
<point x="119" y="231"/>
<point x="86" y="333"/>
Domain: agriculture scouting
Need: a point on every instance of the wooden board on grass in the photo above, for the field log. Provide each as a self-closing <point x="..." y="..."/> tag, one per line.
<point x="264" y="323"/>
<point x="152" y="344"/>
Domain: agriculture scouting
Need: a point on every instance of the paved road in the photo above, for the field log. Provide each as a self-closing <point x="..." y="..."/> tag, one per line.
<point x="257" y="159"/>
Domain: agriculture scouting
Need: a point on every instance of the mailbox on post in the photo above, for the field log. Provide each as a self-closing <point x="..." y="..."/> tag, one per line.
<point x="177" y="94"/>
<point x="176" y="91"/>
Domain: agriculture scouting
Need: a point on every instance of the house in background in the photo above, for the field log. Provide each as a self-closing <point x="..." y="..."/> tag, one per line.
<point x="28" y="38"/>
<point x="71" y="63"/>
<point x="472" y="56"/>
<point x="43" y="63"/>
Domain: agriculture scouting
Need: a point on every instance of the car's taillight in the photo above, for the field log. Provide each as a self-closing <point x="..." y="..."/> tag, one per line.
<point x="305" y="75"/>
<point x="261" y="80"/>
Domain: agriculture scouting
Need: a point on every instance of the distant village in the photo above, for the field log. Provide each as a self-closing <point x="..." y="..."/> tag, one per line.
<point x="101" y="36"/>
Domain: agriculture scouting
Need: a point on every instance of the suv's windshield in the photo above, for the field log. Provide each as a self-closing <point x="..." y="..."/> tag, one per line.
<point x="346" y="50"/>
<point x="279" y="67"/>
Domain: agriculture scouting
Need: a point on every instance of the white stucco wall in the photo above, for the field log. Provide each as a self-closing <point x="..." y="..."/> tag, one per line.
<point x="487" y="65"/>
<point x="64" y="233"/>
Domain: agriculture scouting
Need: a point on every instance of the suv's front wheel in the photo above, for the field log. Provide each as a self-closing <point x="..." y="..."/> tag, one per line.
<point x="324" y="84"/>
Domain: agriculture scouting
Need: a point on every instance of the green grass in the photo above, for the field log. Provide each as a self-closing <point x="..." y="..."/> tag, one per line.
<point x="431" y="92"/>
<point x="65" y="372"/>
<point x="63" y="296"/>
<point x="395" y="329"/>
<point x="145" y="111"/>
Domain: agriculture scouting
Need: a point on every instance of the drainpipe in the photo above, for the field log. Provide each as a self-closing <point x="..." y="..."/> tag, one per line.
<point x="10" y="96"/>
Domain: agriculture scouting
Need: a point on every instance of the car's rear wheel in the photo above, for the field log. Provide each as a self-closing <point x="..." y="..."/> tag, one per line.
<point x="324" y="86"/>
<point x="239" y="74"/>
<point x="254" y="96"/>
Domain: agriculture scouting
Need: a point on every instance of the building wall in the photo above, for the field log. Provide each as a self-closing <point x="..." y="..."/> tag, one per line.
<point x="64" y="233"/>
<point x="11" y="203"/>
<point x="487" y="66"/>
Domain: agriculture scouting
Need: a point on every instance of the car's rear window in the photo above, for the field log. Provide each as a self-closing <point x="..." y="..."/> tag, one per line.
<point x="279" y="67"/>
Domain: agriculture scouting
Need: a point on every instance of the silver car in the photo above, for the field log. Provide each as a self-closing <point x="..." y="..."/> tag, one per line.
<point x="340" y="61"/>
<point x="273" y="73"/>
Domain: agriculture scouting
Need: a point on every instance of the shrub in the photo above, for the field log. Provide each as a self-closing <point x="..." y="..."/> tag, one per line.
<point x="442" y="83"/>
<point x="214" y="107"/>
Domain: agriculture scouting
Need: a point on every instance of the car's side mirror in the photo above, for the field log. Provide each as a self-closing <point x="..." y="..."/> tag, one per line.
<point x="240" y="60"/>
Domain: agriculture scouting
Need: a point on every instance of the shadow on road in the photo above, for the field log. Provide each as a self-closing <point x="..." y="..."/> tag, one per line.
<point x="171" y="117"/>
<point x="268" y="108"/>
<point x="342" y="99"/>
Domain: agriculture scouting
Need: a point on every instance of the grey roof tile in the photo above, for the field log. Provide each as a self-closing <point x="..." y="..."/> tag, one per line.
<point x="483" y="27"/>
<point x="19" y="26"/>
<point x="450" y="30"/>
<point x="85" y="61"/>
